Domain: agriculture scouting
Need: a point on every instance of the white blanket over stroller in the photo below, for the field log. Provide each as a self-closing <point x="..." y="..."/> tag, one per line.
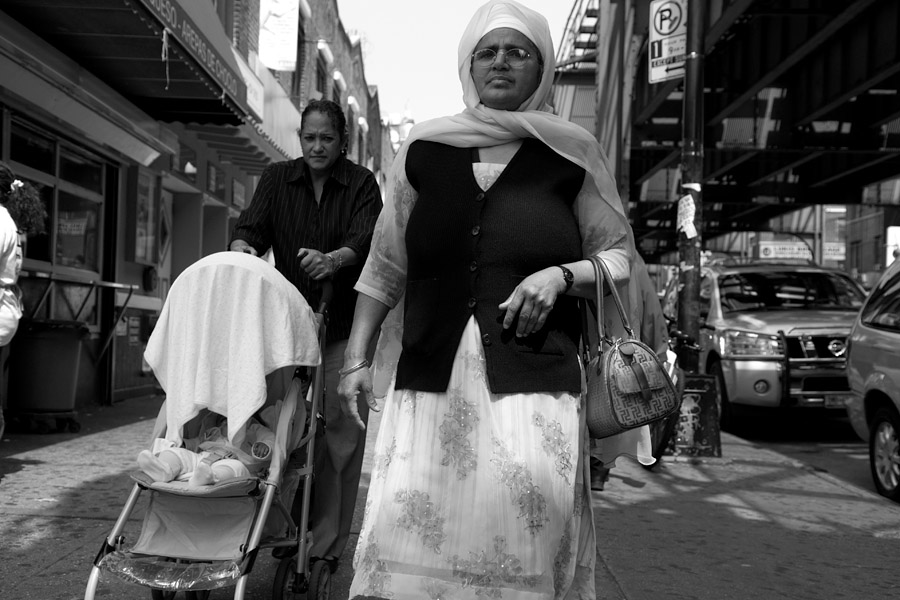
<point x="230" y="319"/>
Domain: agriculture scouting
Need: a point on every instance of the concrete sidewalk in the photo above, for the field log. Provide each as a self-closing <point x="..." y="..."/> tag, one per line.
<point x="754" y="524"/>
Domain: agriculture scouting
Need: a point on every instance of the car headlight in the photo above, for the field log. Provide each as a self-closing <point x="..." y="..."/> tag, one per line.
<point x="747" y="343"/>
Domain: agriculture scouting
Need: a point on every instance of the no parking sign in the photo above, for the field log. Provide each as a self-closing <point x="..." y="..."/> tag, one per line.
<point x="668" y="39"/>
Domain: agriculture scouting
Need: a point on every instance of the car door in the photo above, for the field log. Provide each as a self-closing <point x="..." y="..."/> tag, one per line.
<point x="876" y="345"/>
<point x="874" y="373"/>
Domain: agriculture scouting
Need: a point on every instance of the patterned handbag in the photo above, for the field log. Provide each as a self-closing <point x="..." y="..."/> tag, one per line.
<point x="627" y="384"/>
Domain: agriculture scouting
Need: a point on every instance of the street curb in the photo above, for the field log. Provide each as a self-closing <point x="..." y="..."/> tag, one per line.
<point x="848" y="487"/>
<point x="775" y="458"/>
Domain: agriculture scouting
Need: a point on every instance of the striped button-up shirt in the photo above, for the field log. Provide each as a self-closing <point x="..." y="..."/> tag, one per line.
<point x="285" y="216"/>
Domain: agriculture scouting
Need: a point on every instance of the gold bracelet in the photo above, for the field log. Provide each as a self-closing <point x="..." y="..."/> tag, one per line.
<point x="356" y="367"/>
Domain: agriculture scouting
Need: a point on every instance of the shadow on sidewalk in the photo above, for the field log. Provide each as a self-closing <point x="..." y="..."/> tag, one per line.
<point x="754" y="526"/>
<point x="20" y="437"/>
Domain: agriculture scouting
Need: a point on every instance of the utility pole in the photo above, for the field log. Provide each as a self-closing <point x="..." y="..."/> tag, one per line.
<point x="698" y="433"/>
<point x="690" y="205"/>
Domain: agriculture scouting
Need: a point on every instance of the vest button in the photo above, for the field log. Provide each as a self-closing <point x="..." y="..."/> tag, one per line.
<point x="476" y="230"/>
<point x="479" y="196"/>
<point x="472" y="302"/>
<point x="486" y="339"/>
<point x="473" y="266"/>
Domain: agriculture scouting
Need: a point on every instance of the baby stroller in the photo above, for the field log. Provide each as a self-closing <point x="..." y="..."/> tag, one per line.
<point x="234" y="340"/>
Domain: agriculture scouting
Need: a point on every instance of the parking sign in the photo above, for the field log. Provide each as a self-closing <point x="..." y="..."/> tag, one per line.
<point x="668" y="39"/>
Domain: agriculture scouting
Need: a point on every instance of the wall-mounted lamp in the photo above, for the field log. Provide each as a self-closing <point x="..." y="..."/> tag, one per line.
<point x="341" y="82"/>
<point x="325" y="52"/>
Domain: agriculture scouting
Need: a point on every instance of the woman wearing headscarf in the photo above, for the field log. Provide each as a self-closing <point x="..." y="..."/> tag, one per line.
<point x="480" y="253"/>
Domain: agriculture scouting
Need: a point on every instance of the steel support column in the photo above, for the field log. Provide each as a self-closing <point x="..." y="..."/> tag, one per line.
<point x="691" y="221"/>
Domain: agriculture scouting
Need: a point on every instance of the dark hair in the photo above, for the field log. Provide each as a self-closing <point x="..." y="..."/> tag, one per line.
<point x="23" y="201"/>
<point x="335" y="114"/>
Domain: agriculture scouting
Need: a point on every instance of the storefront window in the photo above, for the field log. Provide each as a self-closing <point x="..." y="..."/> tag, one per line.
<point x="77" y="232"/>
<point x="37" y="247"/>
<point x="31" y="148"/>
<point x="73" y="183"/>
<point x="80" y="170"/>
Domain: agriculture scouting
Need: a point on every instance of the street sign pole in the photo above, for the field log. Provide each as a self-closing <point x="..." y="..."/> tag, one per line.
<point x="699" y="434"/>
<point x="690" y="206"/>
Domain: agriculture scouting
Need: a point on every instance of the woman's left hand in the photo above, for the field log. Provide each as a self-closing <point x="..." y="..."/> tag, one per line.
<point x="350" y="388"/>
<point x="316" y="264"/>
<point x="533" y="300"/>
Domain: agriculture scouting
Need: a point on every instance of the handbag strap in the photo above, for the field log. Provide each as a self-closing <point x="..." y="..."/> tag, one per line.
<point x="587" y="304"/>
<point x="598" y="293"/>
<point x="585" y="337"/>
<point x="601" y="272"/>
<point x="626" y="350"/>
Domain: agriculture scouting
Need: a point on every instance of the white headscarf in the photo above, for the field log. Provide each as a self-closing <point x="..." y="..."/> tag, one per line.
<point x="479" y="126"/>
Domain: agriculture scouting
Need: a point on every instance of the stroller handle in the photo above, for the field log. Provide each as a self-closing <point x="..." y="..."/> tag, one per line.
<point x="327" y="296"/>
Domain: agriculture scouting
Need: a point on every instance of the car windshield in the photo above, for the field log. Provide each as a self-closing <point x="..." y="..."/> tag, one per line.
<point x="787" y="290"/>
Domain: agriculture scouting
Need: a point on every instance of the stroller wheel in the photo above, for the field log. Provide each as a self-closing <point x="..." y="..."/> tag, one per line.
<point x="285" y="579"/>
<point x="318" y="587"/>
<point x="319" y="581"/>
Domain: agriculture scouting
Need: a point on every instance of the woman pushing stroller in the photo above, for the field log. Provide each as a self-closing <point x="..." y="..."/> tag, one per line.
<point x="317" y="214"/>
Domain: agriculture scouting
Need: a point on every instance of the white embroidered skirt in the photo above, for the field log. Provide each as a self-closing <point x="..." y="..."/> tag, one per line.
<point x="477" y="495"/>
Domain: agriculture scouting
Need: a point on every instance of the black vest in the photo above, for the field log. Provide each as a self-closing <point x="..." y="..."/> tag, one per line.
<point x="467" y="251"/>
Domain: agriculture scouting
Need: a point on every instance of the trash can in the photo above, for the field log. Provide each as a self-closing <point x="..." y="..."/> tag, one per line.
<point x="44" y="362"/>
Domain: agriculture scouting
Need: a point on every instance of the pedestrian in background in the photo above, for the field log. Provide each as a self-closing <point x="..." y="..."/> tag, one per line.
<point x="479" y="485"/>
<point x="22" y="213"/>
<point x="316" y="214"/>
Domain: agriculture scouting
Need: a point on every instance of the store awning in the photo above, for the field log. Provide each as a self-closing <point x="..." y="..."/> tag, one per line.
<point x="172" y="59"/>
<point x="243" y="146"/>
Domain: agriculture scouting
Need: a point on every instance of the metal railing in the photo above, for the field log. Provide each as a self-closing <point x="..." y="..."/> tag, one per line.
<point x="568" y="49"/>
<point x="94" y="286"/>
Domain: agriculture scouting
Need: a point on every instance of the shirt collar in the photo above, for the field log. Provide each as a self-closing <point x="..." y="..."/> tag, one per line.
<point x="340" y="173"/>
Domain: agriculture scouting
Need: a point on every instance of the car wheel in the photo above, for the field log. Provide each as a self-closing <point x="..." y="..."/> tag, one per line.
<point x="726" y="411"/>
<point x="884" y="452"/>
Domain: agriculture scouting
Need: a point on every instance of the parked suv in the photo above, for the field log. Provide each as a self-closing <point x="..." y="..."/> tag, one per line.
<point x="774" y="334"/>
<point x="873" y="368"/>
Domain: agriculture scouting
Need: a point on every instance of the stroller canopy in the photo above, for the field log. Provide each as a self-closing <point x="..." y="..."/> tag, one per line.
<point x="229" y="320"/>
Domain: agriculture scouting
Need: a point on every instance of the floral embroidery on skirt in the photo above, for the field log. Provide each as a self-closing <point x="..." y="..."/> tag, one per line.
<point x="476" y="495"/>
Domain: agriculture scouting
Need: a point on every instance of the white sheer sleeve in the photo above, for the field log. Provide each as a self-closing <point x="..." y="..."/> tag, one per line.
<point x="384" y="275"/>
<point x="604" y="231"/>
